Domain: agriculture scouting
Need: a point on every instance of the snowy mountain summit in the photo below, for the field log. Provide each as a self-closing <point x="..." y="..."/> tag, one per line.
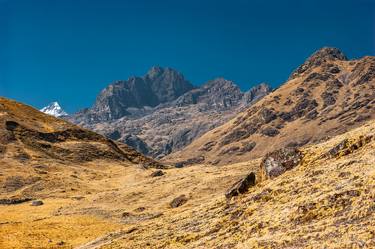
<point x="54" y="109"/>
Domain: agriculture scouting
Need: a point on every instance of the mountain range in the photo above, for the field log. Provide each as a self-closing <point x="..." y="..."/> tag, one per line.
<point x="325" y="96"/>
<point x="294" y="166"/>
<point x="161" y="112"/>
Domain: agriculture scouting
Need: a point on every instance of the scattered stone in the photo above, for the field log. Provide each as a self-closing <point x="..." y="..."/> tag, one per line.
<point x="133" y="229"/>
<point x="241" y="186"/>
<point x="190" y="161"/>
<point x="140" y="209"/>
<point x="61" y="243"/>
<point x="208" y="146"/>
<point x="126" y="214"/>
<point x="230" y="150"/>
<point x="37" y="203"/>
<point x="157" y="173"/>
<point x="178" y="201"/>
<point x="13" y="201"/>
<point x="277" y="162"/>
<point x="346" y="147"/>
<point x="270" y="132"/>
<point x="328" y="99"/>
<point x="320" y="57"/>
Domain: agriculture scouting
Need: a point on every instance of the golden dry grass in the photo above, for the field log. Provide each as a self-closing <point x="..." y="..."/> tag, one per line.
<point x="323" y="203"/>
<point x="78" y="211"/>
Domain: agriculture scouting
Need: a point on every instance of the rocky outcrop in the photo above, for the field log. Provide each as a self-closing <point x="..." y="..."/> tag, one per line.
<point x="159" y="85"/>
<point x="278" y="162"/>
<point x="181" y="116"/>
<point x="178" y="201"/>
<point x="136" y="143"/>
<point x="37" y="203"/>
<point x="318" y="58"/>
<point x="157" y="173"/>
<point x="241" y="186"/>
<point x="14" y="201"/>
<point x="346" y="146"/>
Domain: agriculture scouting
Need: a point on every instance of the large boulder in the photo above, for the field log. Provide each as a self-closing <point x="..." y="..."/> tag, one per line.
<point x="277" y="162"/>
<point x="37" y="203"/>
<point x="178" y="201"/>
<point x="157" y="173"/>
<point x="241" y="186"/>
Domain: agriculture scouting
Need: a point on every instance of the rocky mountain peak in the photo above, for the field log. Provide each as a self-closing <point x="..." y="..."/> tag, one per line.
<point x="158" y="86"/>
<point x="167" y="83"/>
<point x="220" y="83"/>
<point x="323" y="55"/>
<point x="54" y="109"/>
<point x="256" y="92"/>
<point x="156" y="72"/>
<point x="329" y="53"/>
<point x="227" y="87"/>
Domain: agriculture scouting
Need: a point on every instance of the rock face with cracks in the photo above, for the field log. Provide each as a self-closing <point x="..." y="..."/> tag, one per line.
<point x="277" y="162"/>
<point x="165" y="125"/>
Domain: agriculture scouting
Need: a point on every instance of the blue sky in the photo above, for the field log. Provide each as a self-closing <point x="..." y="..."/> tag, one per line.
<point x="68" y="50"/>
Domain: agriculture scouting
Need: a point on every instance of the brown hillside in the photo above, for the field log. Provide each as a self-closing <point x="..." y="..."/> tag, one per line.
<point x="325" y="96"/>
<point x="325" y="202"/>
<point x="33" y="145"/>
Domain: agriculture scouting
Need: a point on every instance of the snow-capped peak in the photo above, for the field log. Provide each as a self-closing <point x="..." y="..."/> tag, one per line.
<point x="54" y="109"/>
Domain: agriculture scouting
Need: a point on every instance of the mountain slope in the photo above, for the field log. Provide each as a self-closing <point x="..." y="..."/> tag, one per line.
<point x="34" y="144"/>
<point x="325" y="202"/>
<point x="327" y="95"/>
<point x="172" y="125"/>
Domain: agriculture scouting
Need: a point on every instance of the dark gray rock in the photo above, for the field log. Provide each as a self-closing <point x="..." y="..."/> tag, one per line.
<point x="136" y="143"/>
<point x="37" y="203"/>
<point x="270" y="131"/>
<point x="241" y="186"/>
<point x="159" y="85"/>
<point x="157" y="173"/>
<point x="13" y="201"/>
<point x="178" y="201"/>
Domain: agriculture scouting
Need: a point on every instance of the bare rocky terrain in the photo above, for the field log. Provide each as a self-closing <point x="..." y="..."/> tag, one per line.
<point x="327" y="95"/>
<point x="134" y="112"/>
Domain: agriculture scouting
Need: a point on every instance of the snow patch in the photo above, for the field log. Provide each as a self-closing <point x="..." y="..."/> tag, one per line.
<point x="54" y="109"/>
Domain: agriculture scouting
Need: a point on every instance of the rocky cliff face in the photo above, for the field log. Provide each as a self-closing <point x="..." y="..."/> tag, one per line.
<point x="158" y="86"/>
<point x="161" y="112"/>
<point x="327" y="95"/>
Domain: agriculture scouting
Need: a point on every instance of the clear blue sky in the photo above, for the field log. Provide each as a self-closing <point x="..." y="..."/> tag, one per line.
<point x="68" y="50"/>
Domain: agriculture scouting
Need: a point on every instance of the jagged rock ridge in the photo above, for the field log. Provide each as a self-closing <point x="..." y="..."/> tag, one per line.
<point x="171" y="116"/>
<point x="159" y="85"/>
<point x="327" y="95"/>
